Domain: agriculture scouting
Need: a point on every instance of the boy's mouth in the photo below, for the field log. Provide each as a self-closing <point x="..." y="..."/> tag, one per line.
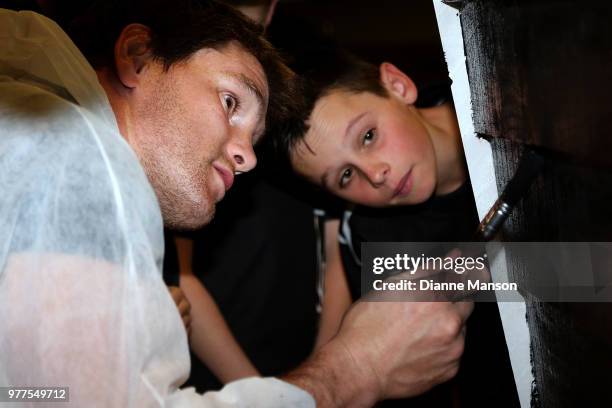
<point x="404" y="186"/>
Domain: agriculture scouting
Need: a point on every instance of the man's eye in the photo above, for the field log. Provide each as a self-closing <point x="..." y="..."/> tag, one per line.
<point x="368" y="137"/>
<point x="231" y="103"/>
<point x="346" y="177"/>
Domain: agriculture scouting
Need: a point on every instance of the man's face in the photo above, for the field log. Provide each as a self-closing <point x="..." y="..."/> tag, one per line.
<point x="193" y="128"/>
<point x="368" y="149"/>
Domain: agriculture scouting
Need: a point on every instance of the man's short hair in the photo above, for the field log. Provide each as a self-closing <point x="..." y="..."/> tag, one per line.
<point x="179" y="28"/>
<point x="322" y="73"/>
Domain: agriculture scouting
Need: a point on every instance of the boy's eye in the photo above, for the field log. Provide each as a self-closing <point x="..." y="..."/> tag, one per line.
<point x="368" y="137"/>
<point x="346" y="177"/>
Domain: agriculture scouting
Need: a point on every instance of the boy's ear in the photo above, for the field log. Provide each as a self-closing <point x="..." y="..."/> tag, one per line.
<point x="397" y="83"/>
<point x="132" y="54"/>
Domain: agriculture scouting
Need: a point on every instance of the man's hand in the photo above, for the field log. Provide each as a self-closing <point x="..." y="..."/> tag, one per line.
<point x="183" y="306"/>
<point x="386" y="350"/>
<point x="408" y="347"/>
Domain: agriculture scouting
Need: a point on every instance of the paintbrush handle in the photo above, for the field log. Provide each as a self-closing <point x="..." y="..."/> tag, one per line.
<point x="529" y="168"/>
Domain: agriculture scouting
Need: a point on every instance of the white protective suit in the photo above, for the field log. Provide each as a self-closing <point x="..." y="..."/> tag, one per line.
<point x="82" y="301"/>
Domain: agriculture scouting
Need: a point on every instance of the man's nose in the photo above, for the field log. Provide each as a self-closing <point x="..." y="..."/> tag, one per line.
<point x="377" y="173"/>
<point x="241" y="153"/>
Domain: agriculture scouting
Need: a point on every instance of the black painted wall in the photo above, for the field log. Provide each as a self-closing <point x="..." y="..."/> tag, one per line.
<point x="532" y="61"/>
<point x="541" y="74"/>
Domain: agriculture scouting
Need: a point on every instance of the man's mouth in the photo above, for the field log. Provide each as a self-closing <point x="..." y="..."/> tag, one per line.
<point x="404" y="186"/>
<point x="226" y="176"/>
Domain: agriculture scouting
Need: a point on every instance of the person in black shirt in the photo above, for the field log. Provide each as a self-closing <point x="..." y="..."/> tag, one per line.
<point x="368" y="137"/>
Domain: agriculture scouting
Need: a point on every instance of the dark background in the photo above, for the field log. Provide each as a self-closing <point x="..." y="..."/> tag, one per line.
<point x="403" y="32"/>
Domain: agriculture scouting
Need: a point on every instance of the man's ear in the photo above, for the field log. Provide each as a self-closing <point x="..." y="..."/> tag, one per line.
<point x="397" y="83"/>
<point x="132" y="54"/>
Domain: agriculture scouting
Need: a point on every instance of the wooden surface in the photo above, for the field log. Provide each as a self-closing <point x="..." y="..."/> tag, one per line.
<point x="571" y="343"/>
<point x="540" y="73"/>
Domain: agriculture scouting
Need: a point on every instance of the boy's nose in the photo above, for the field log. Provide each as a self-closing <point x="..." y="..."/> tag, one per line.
<point x="377" y="174"/>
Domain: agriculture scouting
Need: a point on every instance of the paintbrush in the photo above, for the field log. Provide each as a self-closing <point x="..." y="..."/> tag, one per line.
<point x="529" y="168"/>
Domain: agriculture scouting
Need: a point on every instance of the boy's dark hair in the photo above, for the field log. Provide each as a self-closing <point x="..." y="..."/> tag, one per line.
<point x="325" y="71"/>
<point x="179" y="28"/>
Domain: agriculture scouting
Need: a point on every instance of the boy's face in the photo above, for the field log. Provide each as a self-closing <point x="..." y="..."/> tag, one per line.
<point x="367" y="149"/>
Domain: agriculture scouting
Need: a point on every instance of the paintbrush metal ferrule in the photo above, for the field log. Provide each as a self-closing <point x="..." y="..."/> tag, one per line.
<point x="528" y="170"/>
<point x="494" y="220"/>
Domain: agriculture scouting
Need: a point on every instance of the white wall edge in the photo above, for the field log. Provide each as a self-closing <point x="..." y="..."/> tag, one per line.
<point x="479" y="159"/>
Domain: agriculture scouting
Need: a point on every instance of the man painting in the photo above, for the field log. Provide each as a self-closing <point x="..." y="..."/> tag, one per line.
<point x="92" y="161"/>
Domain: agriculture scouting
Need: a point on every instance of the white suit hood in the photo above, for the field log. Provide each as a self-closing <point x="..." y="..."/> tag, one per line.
<point x="82" y="301"/>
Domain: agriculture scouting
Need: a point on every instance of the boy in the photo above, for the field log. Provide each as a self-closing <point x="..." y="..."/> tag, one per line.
<point x="366" y="141"/>
<point x="365" y="138"/>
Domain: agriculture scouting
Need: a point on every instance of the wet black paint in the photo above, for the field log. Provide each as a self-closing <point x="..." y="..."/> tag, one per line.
<point x="541" y="73"/>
